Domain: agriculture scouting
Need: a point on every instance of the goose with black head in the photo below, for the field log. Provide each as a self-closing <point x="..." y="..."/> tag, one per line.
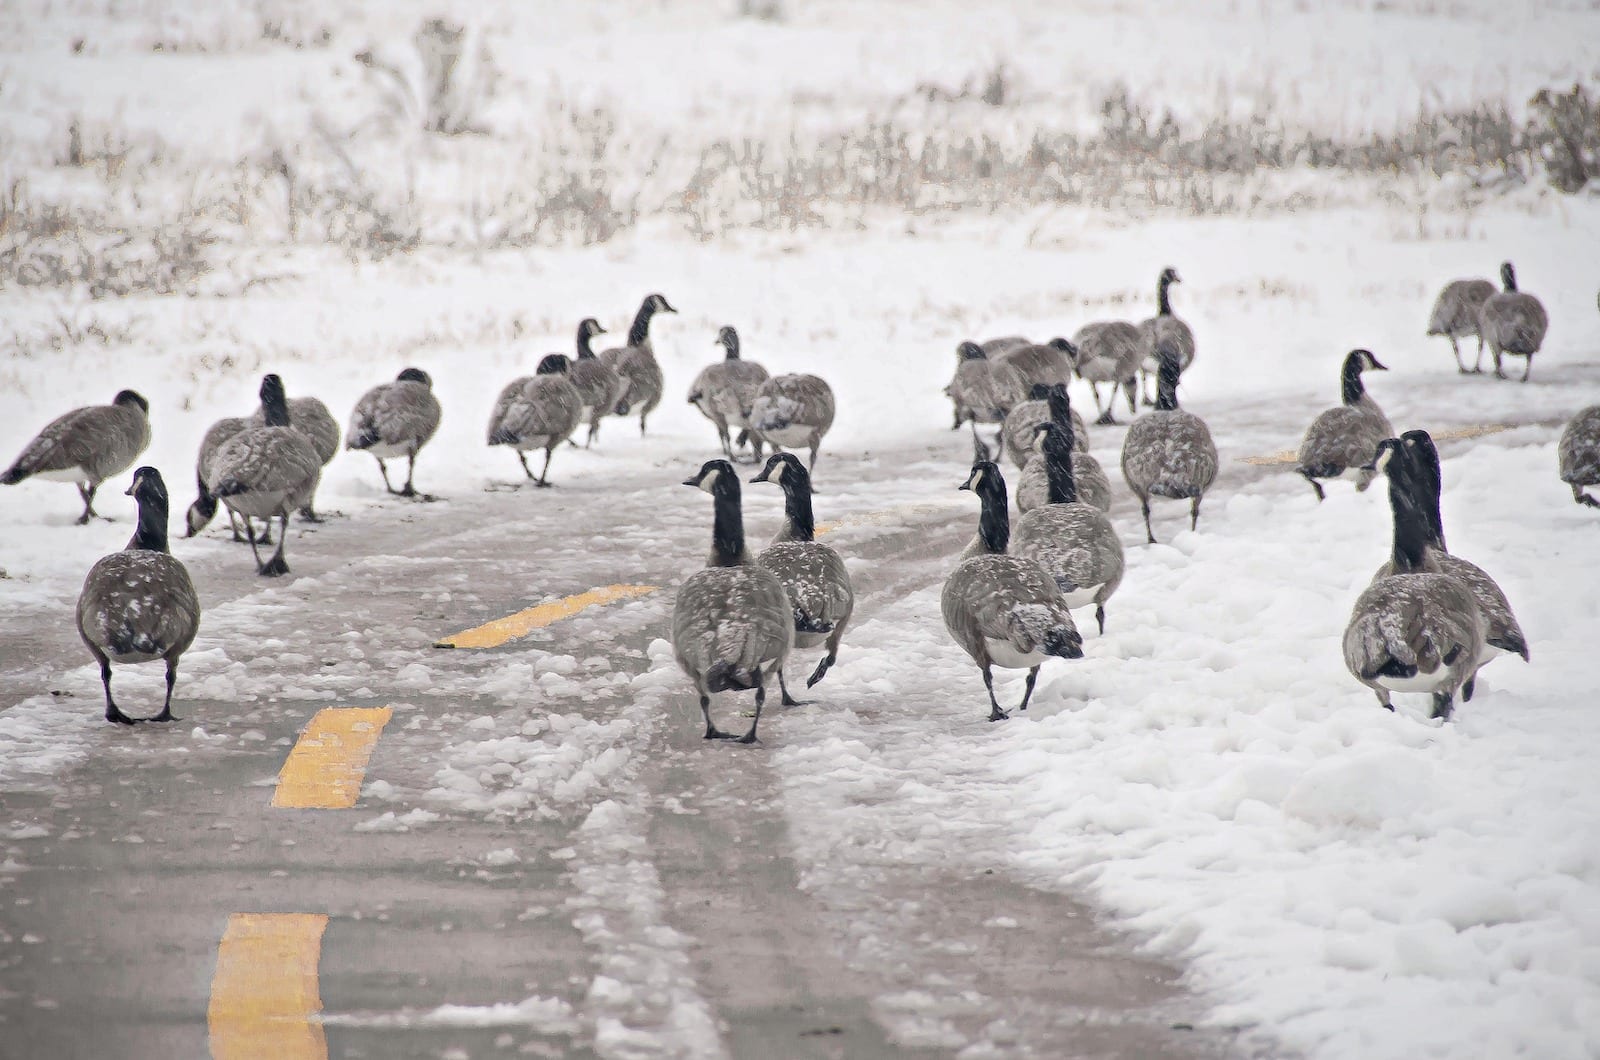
<point x="85" y="447"/>
<point x="1512" y="322"/>
<point x="725" y="393"/>
<point x="1164" y="331"/>
<point x="393" y="420"/>
<point x="537" y="412"/>
<point x="1456" y="316"/>
<point x="1342" y="440"/>
<point x="598" y="384"/>
<point x="1033" y="485"/>
<point x="636" y="363"/>
<point x="1169" y="452"/>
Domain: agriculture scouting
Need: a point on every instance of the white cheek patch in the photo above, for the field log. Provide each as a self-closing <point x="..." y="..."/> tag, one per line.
<point x="710" y="479"/>
<point x="1383" y="460"/>
<point x="976" y="480"/>
<point x="777" y="474"/>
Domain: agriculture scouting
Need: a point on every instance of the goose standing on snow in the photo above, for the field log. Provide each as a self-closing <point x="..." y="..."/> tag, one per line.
<point x="1164" y="331"/>
<point x="1343" y="440"/>
<point x="1416" y="630"/>
<point x="1047" y="364"/>
<point x="1455" y="316"/>
<point x="537" y="412"/>
<point x="598" y="384"/>
<point x="204" y="507"/>
<point x="1169" y="452"/>
<point x="636" y="363"/>
<point x="732" y="624"/>
<point x="983" y="390"/>
<point x="723" y="391"/>
<point x="86" y="446"/>
<point x="812" y="573"/>
<point x="138" y="605"/>
<point x="1512" y="322"/>
<point x="1110" y="351"/>
<point x="393" y="420"/>
<point x="1017" y="431"/>
<point x="793" y="411"/>
<point x="1033" y="486"/>
<point x="311" y="418"/>
<point x="1074" y="542"/>
<point x="1004" y="610"/>
<point x="266" y="471"/>
<point x="1580" y="454"/>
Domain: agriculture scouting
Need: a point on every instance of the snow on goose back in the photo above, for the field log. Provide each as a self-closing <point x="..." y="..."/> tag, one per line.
<point x="1169" y="452"/>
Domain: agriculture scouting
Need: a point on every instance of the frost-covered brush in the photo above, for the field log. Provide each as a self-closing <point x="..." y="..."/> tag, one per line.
<point x="793" y="411"/>
<point x="636" y="363"/>
<point x="1341" y="441"/>
<point x="1513" y="322"/>
<point x="1074" y="542"/>
<point x="1580" y="454"/>
<point x="1004" y="610"/>
<point x="311" y="418"/>
<point x="1110" y="351"/>
<point x="1455" y="316"/>
<point x="812" y="573"/>
<point x="267" y="471"/>
<point x="138" y="605"/>
<point x="393" y="420"/>
<point x="1169" y="452"/>
<point x="1416" y="630"/>
<point x="726" y="391"/>
<point x="732" y="624"/>
<point x="598" y="384"/>
<point x="537" y="412"/>
<point x="1164" y="331"/>
<point x="85" y="447"/>
<point x="1017" y="431"/>
<point x="983" y="390"/>
<point x="1033" y="485"/>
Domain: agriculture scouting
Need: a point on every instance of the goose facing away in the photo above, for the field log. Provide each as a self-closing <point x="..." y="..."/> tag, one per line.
<point x="1074" y="542"/>
<point x="138" y="605"/>
<point x="598" y="384"/>
<point x="1580" y="454"/>
<point x="537" y="412"/>
<point x="267" y="471"/>
<point x="204" y="508"/>
<point x="1343" y="440"/>
<point x="1169" y="452"/>
<point x="1417" y="630"/>
<point x="1046" y="364"/>
<point x="793" y="411"/>
<point x="1455" y="316"/>
<point x="1033" y="486"/>
<point x="1004" y="610"/>
<point x="723" y="391"/>
<point x="1110" y="351"/>
<point x="1004" y="344"/>
<point x="636" y="362"/>
<point x="1512" y="322"/>
<point x="983" y="390"/>
<point x="85" y="447"/>
<point x="812" y="573"/>
<point x="1164" y="331"/>
<point x="393" y="420"/>
<point x="311" y="418"/>
<point x="732" y="624"/>
<point x="1017" y="431"/>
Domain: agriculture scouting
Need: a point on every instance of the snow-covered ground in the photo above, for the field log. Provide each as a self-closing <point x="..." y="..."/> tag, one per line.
<point x="1339" y="881"/>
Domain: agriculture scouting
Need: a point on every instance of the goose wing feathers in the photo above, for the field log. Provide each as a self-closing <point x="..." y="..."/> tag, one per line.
<point x="1166" y="334"/>
<point x="138" y="605"/>
<point x="1109" y="351"/>
<point x="1342" y="437"/>
<point x="1169" y="454"/>
<point x="1074" y="543"/>
<point x="263" y="471"/>
<point x="1455" y="311"/>
<point x="1414" y="626"/>
<point x="598" y="384"/>
<point x="987" y="389"/>
<point x="394" y="416"/>
<point x="640" y="375"/>
<point x="535" y="411"/>
<point x="1020" y="423"/>
<point x="1038" y="364"/>
<point x="101" y="440"/>
<point x="1514" y="322"/>
<point x="1002" y="597"/>
<point x="735" y="616"/>
<point x="311" y="418"/>
<point x="1580" y="449"/>
<point x="816" y="580"/>
<point x="1094" y="486"/>
<point x="793" y="401"/>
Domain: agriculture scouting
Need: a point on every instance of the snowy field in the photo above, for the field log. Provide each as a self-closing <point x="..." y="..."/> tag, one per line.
<point x="241" y="195"/>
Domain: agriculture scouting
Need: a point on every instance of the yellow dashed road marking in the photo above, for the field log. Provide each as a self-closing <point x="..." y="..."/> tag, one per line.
<point x="493" y="634"/>
<point x="264" y="995"/>
<point x="326" y="766"/>
<point x="1288" y="456"/>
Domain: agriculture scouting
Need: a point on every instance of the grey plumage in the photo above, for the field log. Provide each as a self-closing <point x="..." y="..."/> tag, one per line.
<point x="267" y="471"/>
<point x="599" y="386"/>
<point x="1110" y="351"/>
<point x="636" y="363"/>
<point x="86" y="446"/>
<point x="1580" y="454"/>
<point x="1043" y="364"/>
<point x="1033" y="486"/>
<point x="204" y="507"/>
<point x="1344" y="439"/>
<point x="311" y="418"/>
<point x="793" y="411"/>
<point x="393" y="420"/>
<point x="1455" y="316"/>
<point x="139" y="605"/>
<point x="1003" y="610"/>
<point x="1169" y="452"/>
<point x="1512" y="322"/>
<point x="1025" y="416"/>
<point x="1164" y="331"/>
<point x="983" y="390"/>
<point x="537" y="412"/>
<point x="732" y="623"/>
<point x="995" y="347"/>
<point x="726" y="391"/>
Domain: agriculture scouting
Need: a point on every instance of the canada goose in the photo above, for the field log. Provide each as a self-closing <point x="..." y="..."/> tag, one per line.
<point x="393" y="420"/>
<point x="723" y="391"/>
<point x="266" y="471"/>
<point x="1017" y="431"/>
<point x="732" y="624"/>
<point x="138" y="605"/>
<point x="1580" y="454"/>
<point x="1094" y="488"/>
<point x="1110" y="351"/>
<point x="1455" y="316"/>
<point x="1004" y="610"/>
<point x="86" y="447"/>
<point x="812" y="573"/>
<point x="537" y="412"/>
<point x="1050" y="363"/>
<point x="1416" y="630"/>
<point x="1074" y="542"/>
<point x="1342" y="440"/>
<point x="995" y="347"/>
<point x="1512" y="322"/>
<point x="636" y="363"/>
<point x="599" y="386"/>
<point x="1169" y="452"/>
<point x="793" y="410"/>
<point x="311" y="418"/>
<point x="983" y="391"/>
<point x="204" y="507"/>
<point x="1164" y="331"/>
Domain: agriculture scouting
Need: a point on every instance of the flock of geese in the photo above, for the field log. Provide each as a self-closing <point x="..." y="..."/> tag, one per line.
<point x="1428" y="622"/>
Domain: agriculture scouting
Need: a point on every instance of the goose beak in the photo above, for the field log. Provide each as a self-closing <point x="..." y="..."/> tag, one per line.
<point x="761" y="477"/>
<point x="1379" y="366"/>
<point x="964" y="486"/>
<point x="691" y="482"/>
<point x="129" y="491"/>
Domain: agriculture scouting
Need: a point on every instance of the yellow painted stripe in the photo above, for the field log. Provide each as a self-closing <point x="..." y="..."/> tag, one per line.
<point x="264" y="995"/>
<point x="493" y="634"/>
<point x="326" y="766"/>
<point x="1288" y="456"/>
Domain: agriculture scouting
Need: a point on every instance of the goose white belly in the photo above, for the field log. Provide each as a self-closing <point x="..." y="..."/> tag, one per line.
<point x="66" y="474"/>
<point x="256" y="504"/>
<point x="1004" y="653"/>
<point x="1434" y="682"/>
<point x="1082" y="597"/>
<point x="387" y="451"/>
<point x="534" y="441"/>
<point x="789" y="436"/>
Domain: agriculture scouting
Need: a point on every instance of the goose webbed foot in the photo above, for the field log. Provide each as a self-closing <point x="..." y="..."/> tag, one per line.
<point x="996" y="714"/>
<point x="1583" y="498"/>
<point x="1100" y="617"/>
<point x="165" y="715"/>
<point x="783" y="687"/>
<point x="1106" y="419"/>
<point x="115" y="715"/>
<point x="1443" y="705"/>
<point x="1468" y="688"/>
<point x="274" y="567"/>
<point x="822" y="669"/>
<point x="1315" y="485"/>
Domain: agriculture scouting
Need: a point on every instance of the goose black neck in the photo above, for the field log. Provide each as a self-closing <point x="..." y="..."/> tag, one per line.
<point x="727" y="532"/>
<point x="1058" y="473"/>
<point x="275" y="411"/>
<point x="639" y="333"/>
<point x="1163" y="306"/>
<point x="151" y="532"/>
<point x="1167" y="390"/>
<point x="797" y="506"/>
<point x="1351" y="386"/>
<point x="730" y="342"/>
<point x="994" y="524"/>
<point x="1430" y="488"/>
<point x="585" y="353"/>
<point x="1411" y="528"/>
